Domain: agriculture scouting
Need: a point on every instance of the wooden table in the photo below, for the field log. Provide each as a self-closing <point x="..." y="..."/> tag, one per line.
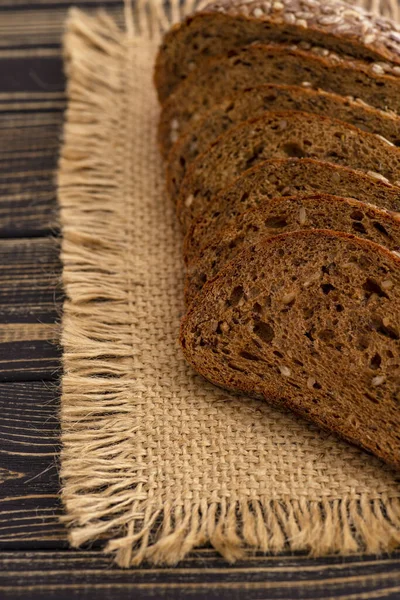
<point x="34" y="555"/>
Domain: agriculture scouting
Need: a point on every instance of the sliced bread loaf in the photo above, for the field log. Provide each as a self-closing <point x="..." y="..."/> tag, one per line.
<point x="260" y="64"/>
<point x="252" y="102"/>
<point x="281" y="135"/>
<point x="331" y="354"/>
<point x="282" y="215"/>
<point x="284" y="177"/>
<point x="223" y="26"/>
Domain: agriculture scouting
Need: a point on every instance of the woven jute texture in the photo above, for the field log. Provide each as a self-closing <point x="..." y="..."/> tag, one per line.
<point x="155" y="460"/>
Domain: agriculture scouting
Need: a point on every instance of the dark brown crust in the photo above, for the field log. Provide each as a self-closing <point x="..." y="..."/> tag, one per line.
<point x="367" y="37"/>
<point x="384" y="195"/>
<point x="208" y="262"/>
<point x="223" y="75"/>
<point x="197" y="192"/>
<point x="206" y="298"/>
<point x="254" y="101"/>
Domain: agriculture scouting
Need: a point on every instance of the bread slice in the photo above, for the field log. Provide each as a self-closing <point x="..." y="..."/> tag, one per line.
<point x="282" y="215"/>
<point x="223" y="26"/>
<point x="281" y="135"/>
<point x="279" y="64"/>
<point x="308" y="320"/>
<point x="252" y="102"/>
<point x="284" y="177"/>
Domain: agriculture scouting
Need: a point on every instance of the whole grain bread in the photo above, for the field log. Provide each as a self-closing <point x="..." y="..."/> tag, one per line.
<point x="258" y="64"/>
<point x="331" y="354"/>
<point x="284" y="177"/>
<point x="227" y="25"/>
<point x="281" y="215"/>
<point x="252" y="102"/>
<point x="281" y="135"/>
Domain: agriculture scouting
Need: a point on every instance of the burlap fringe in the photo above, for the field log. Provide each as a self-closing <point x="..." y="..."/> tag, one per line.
<point x="102" y="501"/>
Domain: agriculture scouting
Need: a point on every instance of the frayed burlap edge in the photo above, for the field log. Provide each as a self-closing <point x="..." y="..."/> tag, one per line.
<point x="97" y="412"/>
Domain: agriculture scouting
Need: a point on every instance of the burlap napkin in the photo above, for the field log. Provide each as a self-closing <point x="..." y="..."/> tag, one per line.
<point x="155" y="460"/>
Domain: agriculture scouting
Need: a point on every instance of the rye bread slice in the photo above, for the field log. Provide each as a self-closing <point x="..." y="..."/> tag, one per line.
<point x="223" y="26"/>
<point x="284" y="177"/>
<point x="281" y="135"/>
<point x="253" y="102"/>
<point x="281" y="215"/>
<point x="331" y="354"/>
<point x="258" y="64"/>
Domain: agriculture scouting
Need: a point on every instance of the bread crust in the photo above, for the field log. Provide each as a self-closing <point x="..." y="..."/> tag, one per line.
<point x="280" y="135"/>
<point x="278" y="63"/>
<point x="331" y="25"/>
<point x="284" y="214"/>
<point x="284" y="177"/>
<point x="254" y="101"/>
<point x="382" y="440"/>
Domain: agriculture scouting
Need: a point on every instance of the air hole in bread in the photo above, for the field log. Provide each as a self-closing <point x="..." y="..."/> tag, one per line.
<point x="375" y="361"/>
<point x="379" y="227"/>
<point x="372" y="287"/>
<point x="388" y="330"/>
<point x="294" y="385"/>
<point x="309" y="334"/>
<point x="236" y="295"/>
<point x="248" y="356"/>
<point x="327" y="287"/>
<point x="278" y="354"/>
<point x="269" y="98"/>
<point x="326" y="334"/>
<point x="257" y="308"/>
<point x="328" y="268"/>
<point x="236" y="241"/>
<point x="359" y="227"/>
<point x="339" y="308"/>
<point x="371" y="398"/>
<point x="362" y="342"/>
<point x="357" y="215"/>
<point x="275" y="222"/>
<point x="293" y="149"/>
<point x="264" y="331"/>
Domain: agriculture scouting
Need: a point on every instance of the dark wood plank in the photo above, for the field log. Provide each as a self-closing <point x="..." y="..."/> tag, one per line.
<point x="29" y="482"/>
<point x="28" y="158"/>
<point x="30" y="303"/>
<point x="88" y="574"/>
<point x="23" y="74"/>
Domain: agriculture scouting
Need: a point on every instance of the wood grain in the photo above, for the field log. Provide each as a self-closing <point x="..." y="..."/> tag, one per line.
<point x="28" y="157"/>
<point x="29" y="482"/>
<point x="87" y="574"/>
<point x="30" y="305"/>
